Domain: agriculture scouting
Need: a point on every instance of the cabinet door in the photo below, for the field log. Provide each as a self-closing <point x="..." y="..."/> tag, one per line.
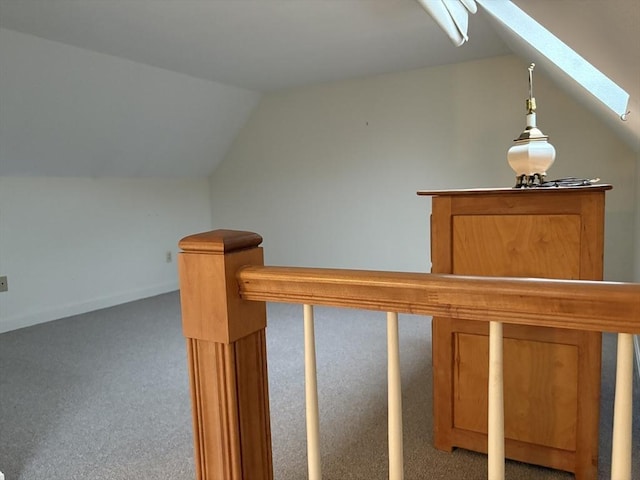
<point x="540" y="366"/>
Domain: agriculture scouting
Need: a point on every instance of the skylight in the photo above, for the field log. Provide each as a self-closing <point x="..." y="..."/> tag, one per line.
<point x="528" y="37"/>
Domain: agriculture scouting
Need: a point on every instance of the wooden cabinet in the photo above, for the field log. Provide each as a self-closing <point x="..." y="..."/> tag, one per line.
<point x="552" y="376"/>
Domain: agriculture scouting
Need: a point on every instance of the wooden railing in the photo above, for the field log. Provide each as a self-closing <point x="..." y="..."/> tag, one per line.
<point x="224" y="286"/>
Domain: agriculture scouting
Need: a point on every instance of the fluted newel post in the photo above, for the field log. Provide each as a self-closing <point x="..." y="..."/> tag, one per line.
<point x="227" y="357"/>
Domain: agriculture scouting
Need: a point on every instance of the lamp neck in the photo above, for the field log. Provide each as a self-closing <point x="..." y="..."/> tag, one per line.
<point x="531" y="120"/>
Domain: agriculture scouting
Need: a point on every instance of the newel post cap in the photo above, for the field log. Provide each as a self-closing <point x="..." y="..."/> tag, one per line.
<point x="220" y="241"/>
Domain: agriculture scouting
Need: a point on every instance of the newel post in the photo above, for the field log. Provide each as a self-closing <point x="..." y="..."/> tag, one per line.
<point x="227" y="357"/>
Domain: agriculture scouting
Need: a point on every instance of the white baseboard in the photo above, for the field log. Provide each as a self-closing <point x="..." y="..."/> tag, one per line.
<point x="61" y="311"/>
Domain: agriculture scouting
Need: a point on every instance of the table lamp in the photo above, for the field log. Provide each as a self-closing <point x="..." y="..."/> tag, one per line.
<point x="531" y="155"/>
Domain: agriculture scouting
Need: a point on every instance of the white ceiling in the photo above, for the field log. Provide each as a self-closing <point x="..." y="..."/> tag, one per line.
<point x="261" y="45"/>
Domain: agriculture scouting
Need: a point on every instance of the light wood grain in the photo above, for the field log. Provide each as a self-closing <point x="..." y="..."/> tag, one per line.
<point x="517" y="245"/>
<point x="546" y="385"/>
<point x="227" y="358"/>
<point x="601" y="187"/>
<point x="211" y="307"/>
<point x="583" y="305"/>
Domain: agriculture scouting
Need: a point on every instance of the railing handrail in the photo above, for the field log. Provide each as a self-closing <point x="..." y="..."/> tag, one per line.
<point x="572" y="304"/>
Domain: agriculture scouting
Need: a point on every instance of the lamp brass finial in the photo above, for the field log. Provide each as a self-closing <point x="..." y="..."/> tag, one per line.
<point x="531" y="101"/>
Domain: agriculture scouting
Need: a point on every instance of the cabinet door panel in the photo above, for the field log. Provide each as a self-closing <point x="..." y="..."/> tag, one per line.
<point x="517" y="245"/>
<point x="541" y="394"/>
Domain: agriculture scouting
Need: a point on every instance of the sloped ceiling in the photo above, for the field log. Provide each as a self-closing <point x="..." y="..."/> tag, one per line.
<point x="261" y="45"/>
<point x="255" y="46"/>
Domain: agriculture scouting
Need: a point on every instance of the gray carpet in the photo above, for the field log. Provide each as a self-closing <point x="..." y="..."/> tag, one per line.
<point x="104" y="395"/>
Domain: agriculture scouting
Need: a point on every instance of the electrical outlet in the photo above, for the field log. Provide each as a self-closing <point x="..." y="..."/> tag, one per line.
<point x="4" y="284"/>
<point x="168" y="256"/>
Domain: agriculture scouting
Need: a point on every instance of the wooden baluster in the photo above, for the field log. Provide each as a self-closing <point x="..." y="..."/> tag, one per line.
<point x="622" y="412"/>
<point x="495" y="446"/>
<point x="311" y="397"/>
<point x="396" y="462"/>
<point x="227" y="357"/>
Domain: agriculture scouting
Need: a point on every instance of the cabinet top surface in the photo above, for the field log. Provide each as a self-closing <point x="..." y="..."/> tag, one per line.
<point x="516" y="191"/>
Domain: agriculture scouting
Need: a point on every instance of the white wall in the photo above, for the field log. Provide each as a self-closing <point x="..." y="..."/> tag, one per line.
<point x="637" y="232"/>
<point x="71" y="245"/>
<point x="75" y="233"/>
<point x="67" y="111"/>
<point x="328" y="174"/>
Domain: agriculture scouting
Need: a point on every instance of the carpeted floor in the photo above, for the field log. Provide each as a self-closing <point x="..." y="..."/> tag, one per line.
<point x="104" y="395"/>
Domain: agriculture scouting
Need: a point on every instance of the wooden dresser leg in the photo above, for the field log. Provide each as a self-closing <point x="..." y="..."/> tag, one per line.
<point x="442" y="385"/>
